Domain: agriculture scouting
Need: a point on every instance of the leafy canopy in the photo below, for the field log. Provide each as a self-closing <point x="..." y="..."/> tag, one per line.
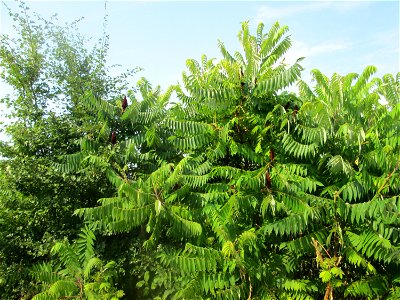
<point x="261" y="193"/>
<point x="240" y="189"/>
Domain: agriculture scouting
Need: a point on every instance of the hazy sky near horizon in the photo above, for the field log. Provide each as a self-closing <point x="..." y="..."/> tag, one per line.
<point x="158" y="36"/>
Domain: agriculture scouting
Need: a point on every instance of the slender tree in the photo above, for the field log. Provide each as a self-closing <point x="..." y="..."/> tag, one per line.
<point x="49" y="68"/>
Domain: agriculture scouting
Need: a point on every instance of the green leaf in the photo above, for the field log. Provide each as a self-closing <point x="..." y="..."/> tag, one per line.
<point x="325" y="276"/>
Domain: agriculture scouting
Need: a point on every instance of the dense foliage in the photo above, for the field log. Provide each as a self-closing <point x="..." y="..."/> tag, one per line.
<point x="237" y="190"/>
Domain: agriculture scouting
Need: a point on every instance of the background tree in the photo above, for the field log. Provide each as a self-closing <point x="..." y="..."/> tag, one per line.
<point x="50" y="68"/>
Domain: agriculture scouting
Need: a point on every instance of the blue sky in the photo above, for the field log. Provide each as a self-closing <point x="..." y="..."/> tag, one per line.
<point x="334" y="36"/>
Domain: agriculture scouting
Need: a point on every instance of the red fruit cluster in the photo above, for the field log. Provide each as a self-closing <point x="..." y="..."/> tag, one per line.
<point x="113" y="138"/>
<point x="268" y="180"/>
<point x="271" y="154"/>
<point x="124" y="104"/>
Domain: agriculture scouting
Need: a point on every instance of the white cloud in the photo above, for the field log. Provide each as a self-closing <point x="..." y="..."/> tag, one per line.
<point x="271" y="13"/>
<point x="390" y="37"/>
<point x="328" y="47"/>
<point x="274" y="13"/>
<point x="301" y="49"/>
